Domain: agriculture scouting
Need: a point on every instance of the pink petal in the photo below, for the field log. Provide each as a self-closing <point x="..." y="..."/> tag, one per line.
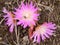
<point x="38" y="39"/>
<point x="47" y="35"/>
<point x="11" y="28"/>
<point x="43" y="37"/>
<point x="35" y="38"/>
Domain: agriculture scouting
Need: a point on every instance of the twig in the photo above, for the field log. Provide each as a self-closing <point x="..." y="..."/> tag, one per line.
<point x="46" y="7"/>
<point x="14" y="42"/>
<point x="58" y="26"/>
<point x="2" y="21"/>
<point x="4" y="43"/>
<point x="7" y="39"/>
<point x="17" y="2"/>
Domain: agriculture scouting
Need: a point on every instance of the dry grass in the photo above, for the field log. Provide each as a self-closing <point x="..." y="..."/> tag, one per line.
<point x="49" y="11"/>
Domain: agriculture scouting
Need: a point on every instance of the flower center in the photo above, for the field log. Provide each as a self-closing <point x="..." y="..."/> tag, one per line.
<point x="27" y="14"/>
<point x="41" y="29"/>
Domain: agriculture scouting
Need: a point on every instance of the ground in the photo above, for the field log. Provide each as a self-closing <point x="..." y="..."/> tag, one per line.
<point x="49" y="11"/>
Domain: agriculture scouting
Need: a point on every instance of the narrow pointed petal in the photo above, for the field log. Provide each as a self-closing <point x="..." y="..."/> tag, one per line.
<point x="11" y="28"/>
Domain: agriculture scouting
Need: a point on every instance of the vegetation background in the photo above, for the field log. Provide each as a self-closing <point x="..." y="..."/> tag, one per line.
<point x="49" y="11"/>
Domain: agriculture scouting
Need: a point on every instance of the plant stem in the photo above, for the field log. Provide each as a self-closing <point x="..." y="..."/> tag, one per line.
<point x="17" y="34"/>
<point x="30" y="31"/>
<point x="18" y="38"/>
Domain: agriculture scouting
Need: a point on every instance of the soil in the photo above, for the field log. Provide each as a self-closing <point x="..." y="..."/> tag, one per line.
<point x="49" y="12"/>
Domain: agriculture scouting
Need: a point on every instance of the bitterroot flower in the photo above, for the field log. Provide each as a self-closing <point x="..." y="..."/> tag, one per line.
<point x="27" y="14"/>
<point x="44" y="31"/>
<point x="9" y="17"/>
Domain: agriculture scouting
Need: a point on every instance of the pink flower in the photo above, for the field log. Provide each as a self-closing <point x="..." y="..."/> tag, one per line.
<point x="9" y="17"/>
<point x="26" y="14"/>
<point x="44" y="31"/>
